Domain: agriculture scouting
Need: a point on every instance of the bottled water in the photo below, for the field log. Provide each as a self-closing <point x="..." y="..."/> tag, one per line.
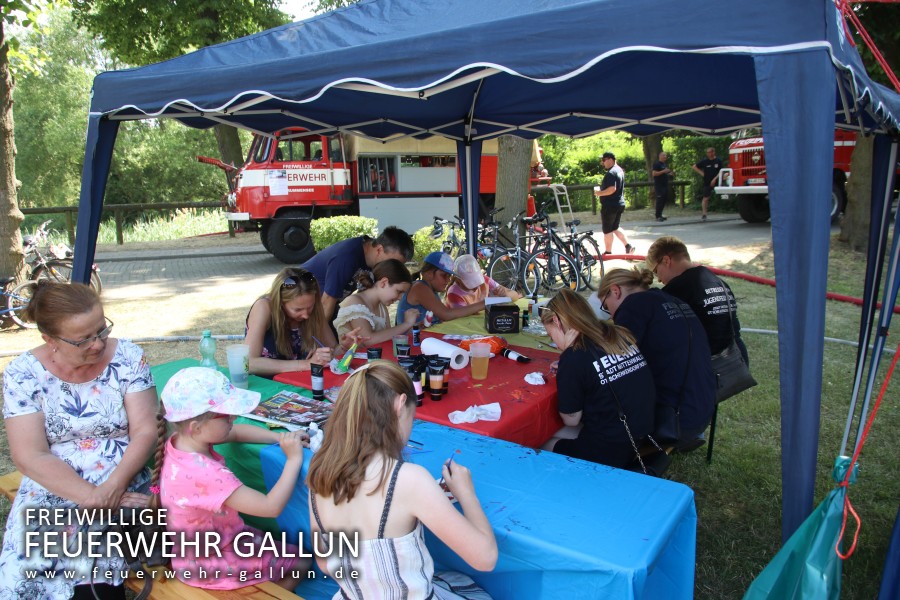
<point x="208" y="350"/>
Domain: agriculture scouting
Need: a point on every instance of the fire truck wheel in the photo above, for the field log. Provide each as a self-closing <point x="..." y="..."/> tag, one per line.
<point x="289" y="240"/>
<point x="753" y="208"/>
<point x="264" y="236"/>
<point x="838" y="201"/>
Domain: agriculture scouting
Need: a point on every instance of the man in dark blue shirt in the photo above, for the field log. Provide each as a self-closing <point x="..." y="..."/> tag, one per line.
<point x="335" y="266"/>
<point x="661" y="173"/>
<point x="612" y="202"/>
<point x="709" y="168"/>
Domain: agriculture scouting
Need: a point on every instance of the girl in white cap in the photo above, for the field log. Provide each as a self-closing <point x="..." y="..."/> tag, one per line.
<point x="471" y="285"/>
<point x="200" y="494"/>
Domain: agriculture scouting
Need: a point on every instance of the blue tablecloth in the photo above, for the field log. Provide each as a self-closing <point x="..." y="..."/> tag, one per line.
<point x="565" y="528"/>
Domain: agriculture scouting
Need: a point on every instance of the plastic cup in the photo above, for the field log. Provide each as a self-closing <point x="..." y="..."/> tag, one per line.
<point x="479" y="355"/>
<point x="238" y="357"/>
<point x="399" y="339"/>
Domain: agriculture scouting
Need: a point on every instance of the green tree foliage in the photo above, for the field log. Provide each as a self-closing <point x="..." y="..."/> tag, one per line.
<point x="15" y="15"/>
<point x="51" y="111"/>
<point x="146" y="31"/>
<point x="576" y="161"/>
<point x="882" y="22"/>
<point x="320" y="6"/>
<point x="154" y="161"/>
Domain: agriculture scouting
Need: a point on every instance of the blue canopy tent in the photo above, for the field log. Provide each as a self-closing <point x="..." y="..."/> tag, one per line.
<point x="472" y="70"/>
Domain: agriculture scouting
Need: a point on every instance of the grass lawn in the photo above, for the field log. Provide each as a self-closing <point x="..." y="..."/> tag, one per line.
<point x="738" y="496"/>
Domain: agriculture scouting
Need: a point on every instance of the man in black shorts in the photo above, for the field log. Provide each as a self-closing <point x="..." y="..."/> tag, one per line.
<point x="709" y="168"/>
<point x="612" y="202"/>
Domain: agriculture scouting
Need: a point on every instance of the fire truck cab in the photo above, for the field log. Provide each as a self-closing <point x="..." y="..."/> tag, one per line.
<point x="746" y="176"/>
<point x="293" y="176"/>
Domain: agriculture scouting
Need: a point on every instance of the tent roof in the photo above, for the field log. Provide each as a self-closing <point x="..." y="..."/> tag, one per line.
<point x="471" y="70"/>
<point x="383" y="69"/>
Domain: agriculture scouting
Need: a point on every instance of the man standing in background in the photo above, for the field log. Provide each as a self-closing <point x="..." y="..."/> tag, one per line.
<point x="612" y="202"/>
<point x="661" y="173"/>
<point x="709" y="169"/>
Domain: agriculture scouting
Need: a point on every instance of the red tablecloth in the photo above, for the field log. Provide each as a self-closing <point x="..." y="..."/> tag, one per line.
<point x="529" y="415"/>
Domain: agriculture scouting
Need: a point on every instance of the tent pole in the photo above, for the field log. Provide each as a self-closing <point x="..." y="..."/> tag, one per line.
<point x="878" y="235"/>
<point x="892" y="283"/>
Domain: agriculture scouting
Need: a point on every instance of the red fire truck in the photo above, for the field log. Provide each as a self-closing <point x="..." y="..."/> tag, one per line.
<point x="295" y="175"/>
<point x="746" y="176"/>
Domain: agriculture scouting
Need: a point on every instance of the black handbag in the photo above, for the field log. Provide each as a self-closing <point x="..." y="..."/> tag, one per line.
<point x="667" y="424"/>
<point x="732" y="373"/>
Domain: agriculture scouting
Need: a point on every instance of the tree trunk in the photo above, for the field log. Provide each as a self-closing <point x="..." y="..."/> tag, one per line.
<point x="229" y="147"/>
<point x="12" y="261"/>
<point x="857" y="217"/>
<point x="513" y="170"/>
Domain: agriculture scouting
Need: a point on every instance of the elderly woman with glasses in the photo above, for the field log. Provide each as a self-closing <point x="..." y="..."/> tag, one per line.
<point x="287" y="329"/>
<point x="80" y="412"/>
<point x="602" y="379"/>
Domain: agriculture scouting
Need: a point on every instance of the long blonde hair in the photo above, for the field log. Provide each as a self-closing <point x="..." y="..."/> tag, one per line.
<point x="574" y="312"/>
<point x="290" y="283"/>
<point x="363" y="425"/>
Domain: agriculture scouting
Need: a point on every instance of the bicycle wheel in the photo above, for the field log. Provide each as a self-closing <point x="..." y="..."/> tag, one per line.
<point x="17" y="300"/>
<point x="504" y="269"/>
<point x="557" y="270"/>
<point x="60" y="271"/>
<point x="530" y="274"/>
<point x="591" y="265"/>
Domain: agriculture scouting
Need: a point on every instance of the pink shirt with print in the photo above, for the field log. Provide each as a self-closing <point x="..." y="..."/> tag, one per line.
<point x="193" y="490"/>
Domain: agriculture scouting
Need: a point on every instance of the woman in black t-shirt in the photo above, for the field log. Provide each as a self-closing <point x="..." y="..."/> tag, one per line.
<point x="672" y="339"/>
<point x="600" y="364"/>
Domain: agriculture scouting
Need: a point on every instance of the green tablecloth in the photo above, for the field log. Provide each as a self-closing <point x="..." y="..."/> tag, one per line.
<point x="242" y="459"/>
<point x="474" y="325"/>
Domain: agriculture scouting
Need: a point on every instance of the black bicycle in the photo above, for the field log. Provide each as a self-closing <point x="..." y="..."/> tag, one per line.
<point x="551" y="266"/>
<point x="57" y="265"/>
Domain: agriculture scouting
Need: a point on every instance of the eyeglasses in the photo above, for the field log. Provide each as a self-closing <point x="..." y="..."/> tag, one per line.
<point x="101" y="335"/>
<point x="545" y="312"/>
<point x="292" y="282"/>
<point x="603" y="302"/>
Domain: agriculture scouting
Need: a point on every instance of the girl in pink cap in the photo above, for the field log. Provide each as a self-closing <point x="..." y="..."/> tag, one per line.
<point x="423" y="294"/>
<point x="200" y="494"/>
<point x="471" y="285"/>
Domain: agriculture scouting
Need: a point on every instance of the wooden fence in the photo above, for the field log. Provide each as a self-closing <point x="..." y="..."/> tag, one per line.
<point x="118" y="211"/>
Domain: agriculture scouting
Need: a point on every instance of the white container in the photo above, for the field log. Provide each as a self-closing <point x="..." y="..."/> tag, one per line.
<point x="238" y="356"/>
